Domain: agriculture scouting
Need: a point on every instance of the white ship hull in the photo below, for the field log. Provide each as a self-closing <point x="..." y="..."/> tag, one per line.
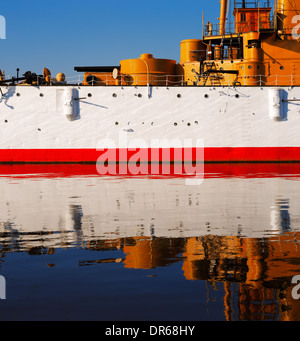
<point x="75" y="123"/>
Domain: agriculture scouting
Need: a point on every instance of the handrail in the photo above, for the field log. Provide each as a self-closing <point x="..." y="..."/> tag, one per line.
<point x="247" y="4"/>
<point x="148" y="75"/>
<point x="237" y="27"/>
<point x="179" y="80"/>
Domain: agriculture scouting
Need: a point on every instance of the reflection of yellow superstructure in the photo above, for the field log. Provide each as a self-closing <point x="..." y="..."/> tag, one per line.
<point x="255" y="273"/>
<point x="148" y="253"/>
<point x="262" y="268"/>
<point x="261" y="47"/>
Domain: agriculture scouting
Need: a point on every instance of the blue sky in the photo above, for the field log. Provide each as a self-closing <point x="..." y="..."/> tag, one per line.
<point x="61" y="34"/>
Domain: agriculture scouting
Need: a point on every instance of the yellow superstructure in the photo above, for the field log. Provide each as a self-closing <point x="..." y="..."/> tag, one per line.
<point x="148" y="70"/>
<point x="261" y="48"/>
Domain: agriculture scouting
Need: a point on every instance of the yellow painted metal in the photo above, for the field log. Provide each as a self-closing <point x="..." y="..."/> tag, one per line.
<point x="218" y="52"/>
<point x="288" y="16"/>
<point x="47" y="75"/>
<point x="223" y="14"/>
<point x="60" y="77"/>
<point x="251" y="51"/>
<point x="98" y="78"/>
<point x="148" y="70"/>
<point x="261" y="58"/>
<point x="191" y="50"/>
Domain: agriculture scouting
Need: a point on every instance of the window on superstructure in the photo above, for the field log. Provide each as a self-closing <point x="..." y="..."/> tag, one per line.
<point x="243" y="17"/>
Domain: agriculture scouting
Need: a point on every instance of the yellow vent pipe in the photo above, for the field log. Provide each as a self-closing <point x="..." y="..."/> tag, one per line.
<point x="223" y="15"/>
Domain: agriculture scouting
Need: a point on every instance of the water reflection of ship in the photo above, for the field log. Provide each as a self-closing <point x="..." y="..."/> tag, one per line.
<point x="262" y="267"/>
<point x="116" y="208"/>
<point x="242" y="233"/>
<point x="255" y="273"/>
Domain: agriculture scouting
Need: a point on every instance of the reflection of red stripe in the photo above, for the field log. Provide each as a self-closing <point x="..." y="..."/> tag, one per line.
<point x="224" y="154"/>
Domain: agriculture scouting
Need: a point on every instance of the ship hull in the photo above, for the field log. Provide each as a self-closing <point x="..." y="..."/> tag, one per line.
<point x="148" y="124"/>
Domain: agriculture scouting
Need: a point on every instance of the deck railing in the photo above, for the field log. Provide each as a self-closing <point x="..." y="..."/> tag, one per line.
<point x="239" y="27"/>
<point x="194" y="80"/>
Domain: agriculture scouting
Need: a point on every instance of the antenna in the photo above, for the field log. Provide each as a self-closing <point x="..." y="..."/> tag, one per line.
<point x="275" y="14"/>
<point x="202" y="24"/>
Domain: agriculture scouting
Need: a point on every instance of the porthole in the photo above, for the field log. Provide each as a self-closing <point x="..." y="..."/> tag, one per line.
<point x="237" y="96"/>
<point x="175" y="124"/>
<point x="188" y="124"/>
<point x="116" y="123"/>
<point x="206" y="96"/>
<point x="281" y="67"/>
<point x="114" y="95"/>
<point x="89" y="95"/>
<point x="178" y="96"/>
<point x="196" y="122"/>
<point x="139" y="95"/>
<point x="5" y="121"/>
<point x="41" y="95"/>
<point x="249" y="67"/>
<point x="18" y="94"/>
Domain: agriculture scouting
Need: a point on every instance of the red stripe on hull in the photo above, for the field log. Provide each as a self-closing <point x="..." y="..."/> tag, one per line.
<point x="224" y="154"/>
<point x="211" y="170"/>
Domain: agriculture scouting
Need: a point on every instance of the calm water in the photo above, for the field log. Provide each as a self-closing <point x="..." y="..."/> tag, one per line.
<point x="77" y="246"/>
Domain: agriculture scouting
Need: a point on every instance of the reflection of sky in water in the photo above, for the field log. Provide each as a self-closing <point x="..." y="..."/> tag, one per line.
<point x="150" y="249"/>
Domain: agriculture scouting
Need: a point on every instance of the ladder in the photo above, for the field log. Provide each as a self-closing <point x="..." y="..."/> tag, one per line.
<point x="209" y="67"/>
